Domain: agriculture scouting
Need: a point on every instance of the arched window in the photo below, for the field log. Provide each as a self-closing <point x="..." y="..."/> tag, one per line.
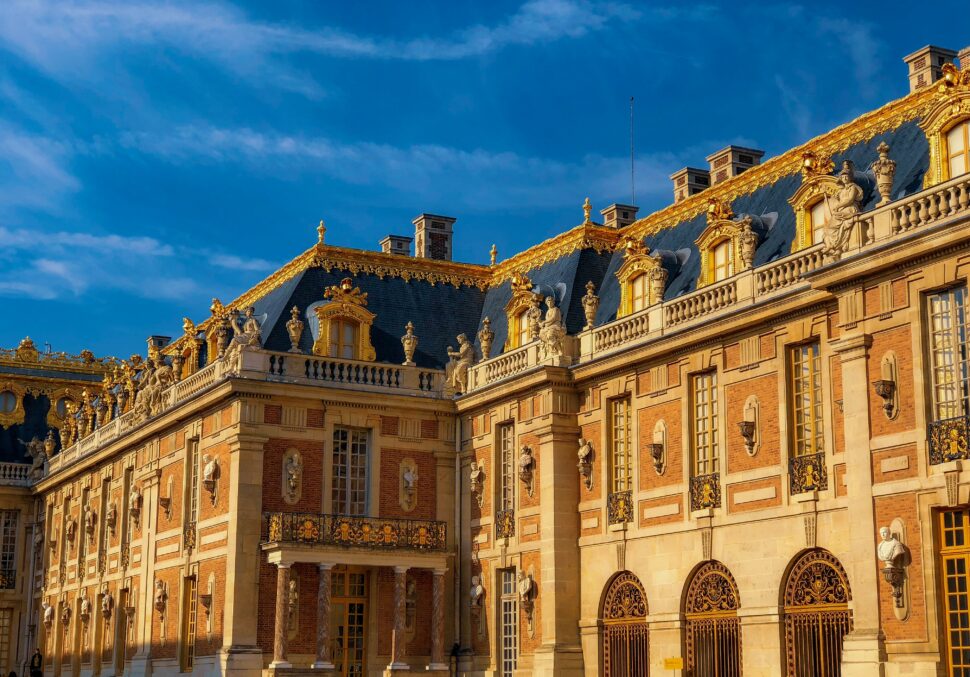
<point x="523" y="302"/>
<point x="638" y="293"/>
<point x="642" y="278"/>
<point x="712" y="625"/>
<point x="623" y="617"/>
<point x="816" y="221"/>
<point x="958" y="149"/>
<point x="522" y="328"/>
<point x="817" y="615"/>
<point x="722" y="261"/>
<point x="343" y="337"/>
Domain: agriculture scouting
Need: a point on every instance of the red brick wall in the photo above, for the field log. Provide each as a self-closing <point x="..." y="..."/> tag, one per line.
<point x="904" y="507"/>
<point x="483" y="456"/>
<point x="647" y="418"/>
<point x="221" y="506"/>
<point x="526" y="501"/>
<point x="765" y="388"/>
<point x="313" y="476"/>
<point x="899" y="341"/>
<point x="390" y="500"/>
<point x="527" y="644"/>
<point x="592" y="433"/>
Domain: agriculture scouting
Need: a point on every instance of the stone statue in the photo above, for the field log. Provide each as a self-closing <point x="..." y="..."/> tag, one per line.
<point x="85" y="612"/>
<point x="134" y="503"/>
<point x="38" y="457"/>
<point x="246" y="332"/>
<point x="477" y="592"/>
<point x="294" y="327"/>
<point x="585" y="465"/>
<point x="493" y="254"/>
<point x="485" y="338"/>
<point x="587" y="210"/>
<point x="410" y="343"/>
<point x="553" y="332"/>
<point x="843" y="208"/>
<point x="890" y="550"/>
<point x="210" y="473"/>
<point x="293" y="472"/>
<point x="460" y="361"/>
<point x="161" y="598"/>
<point x="591" y="303"/>
<point x="292" y="599"/>
<point x="90" y="521"/>
<point x="111" y="518"/>
<point x="410" y="478"/>
<point x="748" y="243"/>
<point x="526" y="467"/>
<point x="107" y="605"/>
<point x="48" y="615"/>
<point x="533" y="317"/>
<point x="475" y="478"/>
<point x="66" y="615"/>
<point x="884" y="169"/>
<point x="70" y="530"/>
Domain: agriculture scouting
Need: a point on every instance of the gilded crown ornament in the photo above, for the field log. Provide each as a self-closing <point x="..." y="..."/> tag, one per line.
<point x="346" y="292"/>
<point x="718" y="210"/>
<point x="814" y="164"/>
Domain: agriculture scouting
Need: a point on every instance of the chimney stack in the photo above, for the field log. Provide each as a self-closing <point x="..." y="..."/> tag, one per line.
<point x="926" y="64"/>
<point x="689" y="181"/>
<point x="618" y="216"/>
<point x="432" y="236"/>
<point x="964" y="58"/>
<point x="397" y="244"/>
<point x="732" y="161"/>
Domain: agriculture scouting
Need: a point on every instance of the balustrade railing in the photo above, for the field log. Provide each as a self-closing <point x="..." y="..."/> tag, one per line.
<point x="787" y="271"/>
<point x="15" y="474"/>
<point x="807" y="473"/>
<point x="949" y="439"/>
<point x="702" y="302"/>
<point x="622" y="331"/>
<point x="925" y="207"/>
<point x="352" y="373"/>
<point x="705" y="491"/>
<point x="619" y="507"/>
<point x="361" y="532"/>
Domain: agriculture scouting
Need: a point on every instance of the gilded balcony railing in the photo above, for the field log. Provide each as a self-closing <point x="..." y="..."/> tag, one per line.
<point x="619" y="507"/>
<point x="948" y="439"/>
<point x="8" y="579"/>
<point x="505" y="524"/>
<point x="705" y="491"/>
<point x="807" y="473"/>
<point x="356" y="532"/>
<point x="189" y="536"/>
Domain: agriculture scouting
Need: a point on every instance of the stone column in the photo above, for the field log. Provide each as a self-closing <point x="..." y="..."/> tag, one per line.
<point x="398" y="639"/>
<point x="864" y="650"/>
<point x="438" y="622"/>
<point x="280" y="628"/>
<point x="324" y="660"/>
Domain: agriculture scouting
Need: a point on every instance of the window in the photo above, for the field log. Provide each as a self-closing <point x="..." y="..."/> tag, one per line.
<point x="704" y="408"/>
<point x="621" y="462"/>
<point x="638" y="293"/>
<point x="8" y="540"/>
<point x="510" y="623"/>
<point x="522" y="328"/>
<point x="958" y="149"/>
<point x="722" y="261"/>
<point x="506" y="439"/>
<point x="349" y="471"/>
<point x="816" y="221"/>
<point x="6" y="618"/>
<point x="343" y="338"/>
<point x="190" y="597"/>
<point x="192" y="488"/>
<point x="806" y="394"/>
<point x="8" y="401"/>
<point x="954" y="560"/>
<point x="948" y="353"/>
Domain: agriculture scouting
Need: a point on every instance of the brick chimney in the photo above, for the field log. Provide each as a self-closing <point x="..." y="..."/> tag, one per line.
<point x="397" y="244"/>
<point x="732" y="161"/>
<point x="689" y="181"/>
<point x="964" y="58"/>
<point x="618" y="216"/>
<point x="432" y="236"/>
<point x="926" y="64"/>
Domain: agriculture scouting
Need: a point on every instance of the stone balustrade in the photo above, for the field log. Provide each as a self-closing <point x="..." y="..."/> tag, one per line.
<point x="262" y="365"/>
<point x="15" y="474"/>
<point x="521" y="359"/>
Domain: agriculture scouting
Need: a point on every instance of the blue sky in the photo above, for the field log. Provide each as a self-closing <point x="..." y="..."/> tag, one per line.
<point x="156" y="154"/>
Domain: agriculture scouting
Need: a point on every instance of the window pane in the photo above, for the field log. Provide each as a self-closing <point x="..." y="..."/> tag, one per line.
<point x="621" y="459"/>
<point x="948" y="352"/>
<point x="957" y="149"/>
<point x="705" y="424"/>
<point x="817" y="221"/>
<point x="806" y="393"/>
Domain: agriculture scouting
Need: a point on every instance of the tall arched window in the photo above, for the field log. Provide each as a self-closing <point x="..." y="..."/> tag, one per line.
<point x="624" y="628"/>
<point x="817" y="615"/>
<point x="958" y="149"/>
<point x="722" y="261"/>
<point x="712" y="624"/>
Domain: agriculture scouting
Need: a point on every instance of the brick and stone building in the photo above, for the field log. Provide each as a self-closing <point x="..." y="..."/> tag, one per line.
<point x="724" y="438"/>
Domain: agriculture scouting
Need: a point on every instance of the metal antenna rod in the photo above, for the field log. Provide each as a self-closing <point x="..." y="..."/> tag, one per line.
<point x="633" y="183"/>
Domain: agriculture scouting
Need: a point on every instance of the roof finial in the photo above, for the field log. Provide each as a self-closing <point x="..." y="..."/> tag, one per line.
<point x="321" y="231"/>
<point x="493" y="253"/>
<point x="587" y="210"/>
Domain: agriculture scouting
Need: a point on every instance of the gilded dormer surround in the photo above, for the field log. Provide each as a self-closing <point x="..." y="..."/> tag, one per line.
<point x="642" y="278"/>
<point x="726" y="246"/>
<point x="11" y="403"/>
<point x="345" y="324"/>
<point x="808" y="201"/>
<point x="947" y="127"/>
<point x="524" y="302"/>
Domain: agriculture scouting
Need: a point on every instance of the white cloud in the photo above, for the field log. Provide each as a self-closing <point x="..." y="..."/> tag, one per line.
<point x="33" y="170"/>
<point x="240" y="263"/>
<point x="62" y="240"/>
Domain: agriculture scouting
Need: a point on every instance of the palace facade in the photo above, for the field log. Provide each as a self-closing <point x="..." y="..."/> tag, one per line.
<point x="725" y="438"/>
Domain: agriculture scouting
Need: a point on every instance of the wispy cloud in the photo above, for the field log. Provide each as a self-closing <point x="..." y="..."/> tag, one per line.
<point x="474" y="177"/>
<point x="33" y="169"/>
<point x="233" y="262"/>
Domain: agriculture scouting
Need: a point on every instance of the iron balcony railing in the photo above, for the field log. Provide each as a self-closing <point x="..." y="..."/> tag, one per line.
<point x="619" y="507"/>
<point x="705" y="491"/>
<point x="379" y="533"/>
<point x="948" y="439"/>
<point x="8" y="579"/>
<point x="807" y="473"/>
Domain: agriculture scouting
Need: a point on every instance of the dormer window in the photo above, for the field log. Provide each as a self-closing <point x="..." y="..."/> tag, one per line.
<point x="958" y="149"/>
<point x="642" y="278"/>
<point x="518" y="311"/>
<point x="722" y="261"/>
<point x="808" y="202"/>
<point x="816" y="221"/>
<point x="522" y="328"/>
<point x="344" y="324"/>
<point x="638" y="293"/>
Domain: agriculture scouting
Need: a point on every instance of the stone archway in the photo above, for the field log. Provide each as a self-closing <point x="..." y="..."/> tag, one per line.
<point x="624" y="635"/>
